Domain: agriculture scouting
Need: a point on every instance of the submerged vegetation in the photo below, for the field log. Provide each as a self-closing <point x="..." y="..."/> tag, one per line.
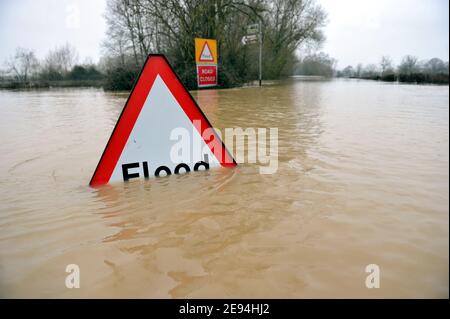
<point x="58" y="68"/>
<point x="410" y="70"/>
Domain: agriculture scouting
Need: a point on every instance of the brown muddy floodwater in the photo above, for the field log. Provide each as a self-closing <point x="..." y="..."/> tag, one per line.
<point x="363" y="178"/>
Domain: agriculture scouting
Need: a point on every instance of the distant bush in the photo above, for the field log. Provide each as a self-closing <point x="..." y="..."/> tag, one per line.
<point x="440" y="78"/>
<point x="316" y="64"/>
<point x="412" y="77"/>
<point x="417" y="77"/>
<point x="230" y="76"/>
<point x="80" y="72"/>
<point x="51" y="75"/>
<point x="374" y="77"/>
<point x="120" y="78"/>
<point x="388" y="77"/>
<point x="410" y="70"/>
<point x="77" y="73"/>
<point x="187" y="74"/>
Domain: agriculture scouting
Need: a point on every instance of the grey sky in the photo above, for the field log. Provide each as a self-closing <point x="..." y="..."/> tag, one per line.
<point x="358" y="30"/>
<point x="364" y="30"/>
<point x="44" y="24"/>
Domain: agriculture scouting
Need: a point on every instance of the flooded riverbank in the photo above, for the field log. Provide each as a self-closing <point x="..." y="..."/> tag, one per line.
<point x="362" y="179"/>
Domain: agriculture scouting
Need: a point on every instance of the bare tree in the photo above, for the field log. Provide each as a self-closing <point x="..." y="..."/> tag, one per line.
<point x="359" y="70"/>
<point x="386" y="64"/>
<point x="408" y="65"/>
<point x="23" y="64"/>
<point x="61" y="60"/>
<point x="290" y="24"/>
<point x="436" y="66"/>
<point x="370" y="71"/>
<point x="316" y="64"/>
<point x="348" y="72"/>
<point x="117" y="45"/>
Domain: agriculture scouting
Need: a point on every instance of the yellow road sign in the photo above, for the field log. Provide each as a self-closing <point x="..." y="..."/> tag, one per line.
<point x="205" y="51"/>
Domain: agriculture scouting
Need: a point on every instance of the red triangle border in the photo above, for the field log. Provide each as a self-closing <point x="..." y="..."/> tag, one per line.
<point x="155" y="64"/>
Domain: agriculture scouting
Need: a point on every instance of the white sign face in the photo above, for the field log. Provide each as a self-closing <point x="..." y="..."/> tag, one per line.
<point x="252" y="28"/>
<point x="160" y="132"/>
<point x="249" y="39"/>
<point x="206" y="54"/>
<point x="159" y="117"/>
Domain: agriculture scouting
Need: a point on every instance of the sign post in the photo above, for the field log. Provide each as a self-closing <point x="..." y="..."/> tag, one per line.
<point x="260" y="54"/>
<point x="206" y="60"/>
<point x="254" y="34"/>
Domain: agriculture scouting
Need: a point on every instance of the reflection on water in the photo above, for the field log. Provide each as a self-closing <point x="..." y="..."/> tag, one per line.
<point x="362" y="179"/>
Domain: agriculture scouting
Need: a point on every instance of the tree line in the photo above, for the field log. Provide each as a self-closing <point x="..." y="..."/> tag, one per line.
<point x="136" y="28"/>
<point x="410" y="70"/>
<point x="59" y="67"/>
<point x="316" y="64"/>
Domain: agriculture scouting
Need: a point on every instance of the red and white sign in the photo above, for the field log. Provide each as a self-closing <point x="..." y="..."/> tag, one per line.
<point x="206" y="75"/>
<point x="206" y="60"/>
<point x="140" y="145"/>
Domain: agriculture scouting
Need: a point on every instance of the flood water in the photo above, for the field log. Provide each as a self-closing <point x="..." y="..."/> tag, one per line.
<point x="363" y="178"/>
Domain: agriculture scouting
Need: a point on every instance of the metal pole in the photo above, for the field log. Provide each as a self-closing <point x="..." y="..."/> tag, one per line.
<point x="260" y="54"/>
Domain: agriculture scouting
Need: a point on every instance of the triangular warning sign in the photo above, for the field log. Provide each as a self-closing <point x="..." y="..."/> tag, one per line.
<point x="206" y="55"/>
<point x="147" y="138"/>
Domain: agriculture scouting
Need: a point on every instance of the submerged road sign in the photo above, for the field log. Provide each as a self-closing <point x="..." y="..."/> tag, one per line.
<point x="140" y="145"/>
<point x="206" y="75"/>
<point x="206" y="60"/>
<point x="205" y="51"/>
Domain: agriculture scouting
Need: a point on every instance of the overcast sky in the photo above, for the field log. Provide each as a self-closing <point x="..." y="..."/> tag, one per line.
<point x="364" y="30"/>
<point x="359" y="31"/>
<point x="44" y="24"/>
